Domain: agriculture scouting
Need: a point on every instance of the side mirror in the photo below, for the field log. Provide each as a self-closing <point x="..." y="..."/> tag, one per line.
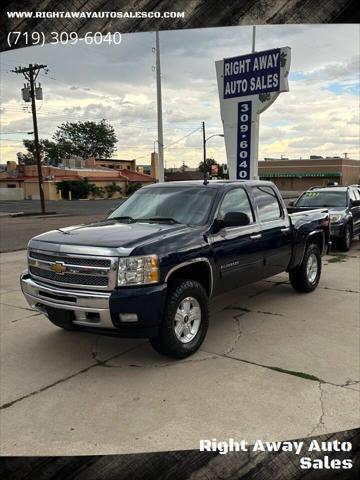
<point x="355" y="203"/>
<point x="233" y="219"/>
<point x="292" y="203"/>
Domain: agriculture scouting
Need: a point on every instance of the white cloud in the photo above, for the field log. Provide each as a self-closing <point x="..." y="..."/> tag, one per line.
<point x="319" y="115"/>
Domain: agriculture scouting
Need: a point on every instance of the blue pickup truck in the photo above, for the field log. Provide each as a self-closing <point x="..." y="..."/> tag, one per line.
<point x="149" y="269"/>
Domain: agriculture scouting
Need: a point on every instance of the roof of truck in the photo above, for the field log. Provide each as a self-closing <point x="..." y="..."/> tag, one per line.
<point x="329" y="189"/>
<point x="211" y="183"/>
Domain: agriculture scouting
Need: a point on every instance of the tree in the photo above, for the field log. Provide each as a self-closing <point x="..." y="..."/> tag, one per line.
<point x="78" y="188"/>
<point x="29" y="157"/>
<point x="49" y="153"/>
<point x="112" y="189"/>
<point x="72" y="139"/>
<point x="96" y="191"/>
<point x="209" y="162"/>
<point x="131" y="188"/>
<point x="86" y="139"/>
<point x="53" y="153"/>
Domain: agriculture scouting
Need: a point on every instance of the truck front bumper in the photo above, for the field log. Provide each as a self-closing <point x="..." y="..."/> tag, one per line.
<point x="337" y="230"/>
<point x="102" y="312"/>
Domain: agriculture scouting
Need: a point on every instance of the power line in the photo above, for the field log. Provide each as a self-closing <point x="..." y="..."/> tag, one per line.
<point x="11" y="140"/>
<point x="73" y="113"/>
<point x="173" y="143"/>
<point x="86" y="89"/>
<point x="182" y="138"/>
<point x="13" y="133"/>
<point x="58" y="114"/>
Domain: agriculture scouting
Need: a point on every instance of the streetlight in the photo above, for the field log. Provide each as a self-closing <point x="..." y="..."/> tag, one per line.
<point x="215" y="135"/>
<point x="204" y="149"/>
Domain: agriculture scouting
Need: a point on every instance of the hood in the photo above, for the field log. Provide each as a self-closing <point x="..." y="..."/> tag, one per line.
<point x="111" y="233"/>
<point x="337" y="210"/>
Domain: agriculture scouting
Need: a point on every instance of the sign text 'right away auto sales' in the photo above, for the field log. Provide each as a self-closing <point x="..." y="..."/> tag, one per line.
<point x="252" y="74"/>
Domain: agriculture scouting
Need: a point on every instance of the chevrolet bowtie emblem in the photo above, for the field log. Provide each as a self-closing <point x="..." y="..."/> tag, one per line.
<point x="58" y="267"/>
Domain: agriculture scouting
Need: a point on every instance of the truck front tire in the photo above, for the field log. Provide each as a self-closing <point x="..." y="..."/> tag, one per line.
<point x="305" y="277"/>
<point x="185" y="321"/>
<point x="344" y="243"/>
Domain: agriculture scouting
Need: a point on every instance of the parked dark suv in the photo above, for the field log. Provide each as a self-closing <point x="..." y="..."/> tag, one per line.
<point x="344" y="208"/>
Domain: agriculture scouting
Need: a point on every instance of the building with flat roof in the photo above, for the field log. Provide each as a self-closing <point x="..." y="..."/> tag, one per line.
<point x="113" y="163"/>
<point x="25" y="180"/>
<point x="303" y="173"/>
<point x="183" y="176"/>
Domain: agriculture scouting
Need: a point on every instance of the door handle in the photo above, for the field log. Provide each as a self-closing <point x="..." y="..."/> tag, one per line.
<point x="285" y="229"/>
<point x="254" y="237"/>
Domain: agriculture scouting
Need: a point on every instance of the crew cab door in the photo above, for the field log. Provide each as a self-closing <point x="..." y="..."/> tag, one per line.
<point x="355" y="210"/>
<point x="235" y="249"/>
<point x="276" y="244"/>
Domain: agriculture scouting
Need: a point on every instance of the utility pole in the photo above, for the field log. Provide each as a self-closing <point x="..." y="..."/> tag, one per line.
<point x="253" y="38"/>
<point x="206" y="180"/>
<point x="204" y="151"/>
<point x="159" y="110"/>
<point x="256" y="120"/>
<point x="31" y="73"/>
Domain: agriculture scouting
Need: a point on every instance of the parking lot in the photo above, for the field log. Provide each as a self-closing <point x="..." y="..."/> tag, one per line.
<point x="275" y="365"/>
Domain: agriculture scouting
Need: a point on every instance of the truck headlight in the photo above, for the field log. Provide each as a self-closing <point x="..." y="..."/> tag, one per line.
<point x="335" y="218"/>
<point x="138" y="270"/>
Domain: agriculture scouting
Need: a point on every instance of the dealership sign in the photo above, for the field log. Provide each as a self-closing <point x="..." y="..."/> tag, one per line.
<point x="248" y="85"/>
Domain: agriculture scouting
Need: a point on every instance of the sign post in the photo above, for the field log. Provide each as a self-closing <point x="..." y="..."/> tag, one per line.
<point x="248" y="85"/>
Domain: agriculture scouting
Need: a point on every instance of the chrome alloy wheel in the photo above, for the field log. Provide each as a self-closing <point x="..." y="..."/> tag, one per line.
<point x="187" y="319"/>
<point x="312" y="268"/>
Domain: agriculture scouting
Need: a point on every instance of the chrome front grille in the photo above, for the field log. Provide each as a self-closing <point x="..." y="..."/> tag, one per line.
<point x="79" y="271"/>
<point x="70" y="277"/>
<point x="86" y="261"/>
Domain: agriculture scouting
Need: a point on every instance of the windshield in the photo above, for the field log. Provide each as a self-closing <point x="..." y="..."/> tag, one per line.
<point x="187" y="205"/>
<point x="322" y="199"/>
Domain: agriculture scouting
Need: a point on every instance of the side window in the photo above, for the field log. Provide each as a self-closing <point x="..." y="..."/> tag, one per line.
<point x="236" y="200"/>
<point x="268" y="203"/>
<point x="352" y="194"/>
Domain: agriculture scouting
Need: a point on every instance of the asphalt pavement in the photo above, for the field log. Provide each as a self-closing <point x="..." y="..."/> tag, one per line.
<point x="276" y="365"/>
<point x="15" y="232"/>
<point x="74" y="207"/>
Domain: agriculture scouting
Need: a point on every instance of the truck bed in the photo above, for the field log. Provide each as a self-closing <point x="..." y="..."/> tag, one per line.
<point x="305" y="221"/>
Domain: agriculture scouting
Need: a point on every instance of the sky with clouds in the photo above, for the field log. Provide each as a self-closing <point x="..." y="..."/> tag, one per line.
<point x="319" y="116"/>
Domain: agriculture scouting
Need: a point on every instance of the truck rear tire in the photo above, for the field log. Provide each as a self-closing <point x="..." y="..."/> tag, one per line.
<point x="344" y="243"/>
<point x="185" y="321"/>
<point x="305" y="277"/>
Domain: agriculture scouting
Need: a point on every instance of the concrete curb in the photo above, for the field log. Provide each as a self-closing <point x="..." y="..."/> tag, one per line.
<point x="30" y="214"/>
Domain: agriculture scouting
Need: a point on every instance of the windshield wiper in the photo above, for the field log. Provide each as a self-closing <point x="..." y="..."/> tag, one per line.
<point x="125" y="218"/>
<point x="158" y="220"/>
<point x="63" y="231"/>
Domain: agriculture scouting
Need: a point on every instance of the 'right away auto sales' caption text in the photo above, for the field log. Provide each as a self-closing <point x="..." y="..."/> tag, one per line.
<point x="298" y="447"/>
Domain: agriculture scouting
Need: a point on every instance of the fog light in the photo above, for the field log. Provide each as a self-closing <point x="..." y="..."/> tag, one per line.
<point x="128" y="317"/>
